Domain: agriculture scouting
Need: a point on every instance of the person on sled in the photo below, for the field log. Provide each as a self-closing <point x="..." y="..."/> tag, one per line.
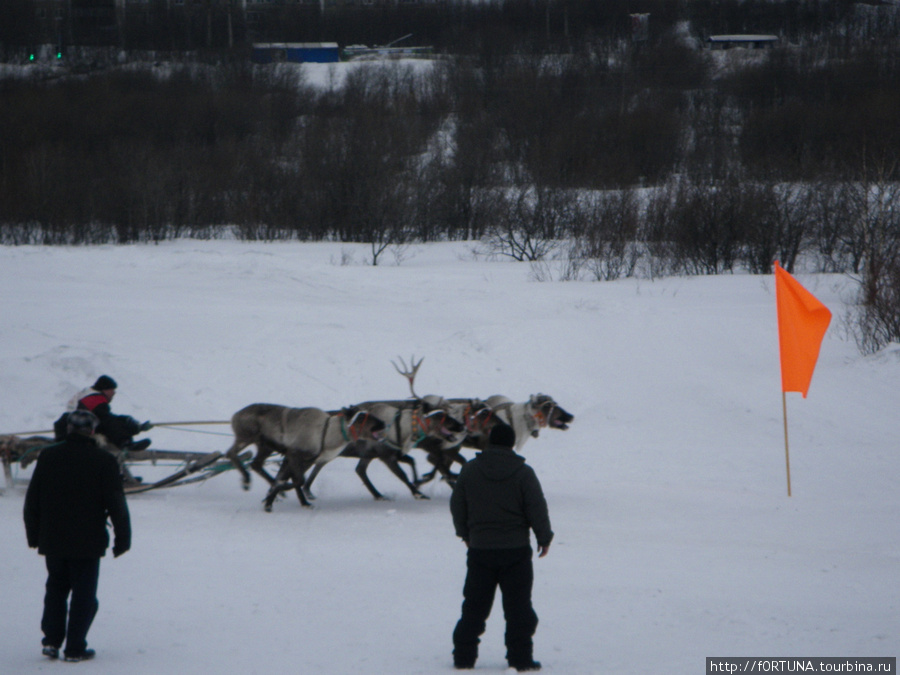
<point x="119" y="430"/>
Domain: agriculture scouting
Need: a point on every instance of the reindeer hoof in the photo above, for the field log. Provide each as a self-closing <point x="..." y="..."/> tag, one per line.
<point x="419" y="495"/>
<point x="268" y="508"/>
<point x="246" y="485"/>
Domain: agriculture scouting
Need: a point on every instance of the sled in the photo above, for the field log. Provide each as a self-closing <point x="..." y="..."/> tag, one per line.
<point x="192" y="467"/>
<point x="194" y="464"/>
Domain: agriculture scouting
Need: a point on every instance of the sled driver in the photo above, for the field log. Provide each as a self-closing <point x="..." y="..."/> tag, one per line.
<point x="118" y="429"/>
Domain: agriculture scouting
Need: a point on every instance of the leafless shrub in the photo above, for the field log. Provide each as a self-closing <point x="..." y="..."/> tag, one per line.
<point x="608" y="245"/>
<point x="876" y="235"/>
<point x="876" y="323"/>
<point x="694" y="226"/>
<point x="532" y="222"/>
<point x="776" y="222"/>
<point x="830" y="219"/>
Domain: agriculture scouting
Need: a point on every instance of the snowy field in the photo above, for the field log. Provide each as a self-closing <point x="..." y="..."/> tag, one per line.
<point x="675" y="538"/>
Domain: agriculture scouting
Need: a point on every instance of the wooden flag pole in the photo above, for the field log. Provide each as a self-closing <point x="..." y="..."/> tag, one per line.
<point x="787" y="456"/>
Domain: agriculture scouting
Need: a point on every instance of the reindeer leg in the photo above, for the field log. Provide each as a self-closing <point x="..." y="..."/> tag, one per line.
<point x="263" y="452"/>
<point x="442" y="461"/>
<point x="439" y="460"/>
<point x="361" y="467"/>
<point x="232" y="454"/>
<point x="392" y="463"/>
<point x="407" y="459"/>
<point x="428" y="477"/>
<point x="452" y="456"/>
<point x="7" y="471"/>
<point x="279" y="485"/>
<point x="309" y="481"/>
<point x="432" y="449"/>
<point x="299" y="467"/>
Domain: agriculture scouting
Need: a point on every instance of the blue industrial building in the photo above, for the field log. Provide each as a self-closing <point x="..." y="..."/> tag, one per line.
<point x="295" y="52"/>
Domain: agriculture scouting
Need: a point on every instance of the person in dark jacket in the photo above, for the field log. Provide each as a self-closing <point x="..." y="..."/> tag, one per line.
<point x="119" y="430"/>
<point x="74" y="488"/>
<point x="496" y="503"/>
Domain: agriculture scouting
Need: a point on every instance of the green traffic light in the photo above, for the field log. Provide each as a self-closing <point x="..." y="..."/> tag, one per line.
<point x="59" y="55"/>
<point x="31" y="57"/>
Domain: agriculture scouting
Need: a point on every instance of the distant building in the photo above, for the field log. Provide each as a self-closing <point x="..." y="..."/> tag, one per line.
<point x="747" y="41"/>
<point x="295" y="52"/>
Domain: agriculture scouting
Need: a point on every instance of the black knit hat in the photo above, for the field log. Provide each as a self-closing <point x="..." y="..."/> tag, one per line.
<point x="502" y="435"/>
<point x="104" y="382"/>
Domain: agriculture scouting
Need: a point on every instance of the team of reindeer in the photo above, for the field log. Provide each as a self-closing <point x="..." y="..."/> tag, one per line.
<point x="309" y="438"/>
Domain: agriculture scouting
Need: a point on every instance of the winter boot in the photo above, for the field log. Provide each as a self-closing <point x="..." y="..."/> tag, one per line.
<point x="86" y="655"/>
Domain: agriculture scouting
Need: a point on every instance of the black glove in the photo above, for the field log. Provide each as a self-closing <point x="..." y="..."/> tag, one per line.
<point x="146" y="426"/>
<point x="119" y="550"/>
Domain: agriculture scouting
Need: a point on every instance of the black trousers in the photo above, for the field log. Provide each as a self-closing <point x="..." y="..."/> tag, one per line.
<point x="66" y="621"/>
<point x="511" y="570"/>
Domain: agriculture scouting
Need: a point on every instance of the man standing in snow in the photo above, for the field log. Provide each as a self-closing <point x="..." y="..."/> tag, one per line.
<point x="496" y="503"/>
<point x="73" y="489"/>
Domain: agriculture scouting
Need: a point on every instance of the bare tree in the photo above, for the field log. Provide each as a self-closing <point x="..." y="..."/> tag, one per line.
<point x="608" y="245"/>
<point x="876" y="232"/>
<point x="777" y="220"/>
<point x="830" y="219"/>
<point x="698" y="225"/>
<point x="533" y="222"/>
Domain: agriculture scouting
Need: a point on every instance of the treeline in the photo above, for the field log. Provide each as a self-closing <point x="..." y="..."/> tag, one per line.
<point x="450" y="26"/>
<point x="654" y="158"/>
<point x="153" y="151"/>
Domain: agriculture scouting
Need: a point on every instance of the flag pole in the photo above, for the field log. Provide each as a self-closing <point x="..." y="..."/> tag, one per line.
<point x="787" y="456"/>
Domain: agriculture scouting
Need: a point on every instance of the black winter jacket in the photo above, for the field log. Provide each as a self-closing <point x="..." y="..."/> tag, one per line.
<point x="497" y="499"/>
<point x="73" y="489"/>
<point x="118" y="429"/>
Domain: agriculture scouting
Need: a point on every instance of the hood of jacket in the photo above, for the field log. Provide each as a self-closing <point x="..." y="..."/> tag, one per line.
<point x="498" y="463"/>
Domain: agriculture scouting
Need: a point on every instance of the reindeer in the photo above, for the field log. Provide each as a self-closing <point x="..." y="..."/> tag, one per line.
<point x="527" y="419"/>
<point x="429" y="423"/>
<point x="405" y="428"/>
<point x="477" y="418"/>
<point x="305" y="436"/>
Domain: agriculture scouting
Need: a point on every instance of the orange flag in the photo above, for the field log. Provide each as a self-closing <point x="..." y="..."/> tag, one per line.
<point x="802" y="322"/>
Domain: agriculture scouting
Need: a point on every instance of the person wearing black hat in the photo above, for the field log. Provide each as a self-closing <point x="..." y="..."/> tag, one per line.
<point x="497" y="502"/>
<point x="119" y="430"/>
<point x="74" y="488"/>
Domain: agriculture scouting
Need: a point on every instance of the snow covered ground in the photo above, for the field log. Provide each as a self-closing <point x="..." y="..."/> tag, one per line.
<point x="675" y="539"/>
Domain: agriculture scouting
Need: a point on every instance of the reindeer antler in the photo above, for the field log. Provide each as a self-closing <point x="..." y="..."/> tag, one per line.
<point x="409" y="372"/>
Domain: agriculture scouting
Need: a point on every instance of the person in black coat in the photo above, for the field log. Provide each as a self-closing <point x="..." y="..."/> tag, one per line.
<point x="74" y="488"/>
<point x="496" y="502"/>
<point x="117" y="429"/>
